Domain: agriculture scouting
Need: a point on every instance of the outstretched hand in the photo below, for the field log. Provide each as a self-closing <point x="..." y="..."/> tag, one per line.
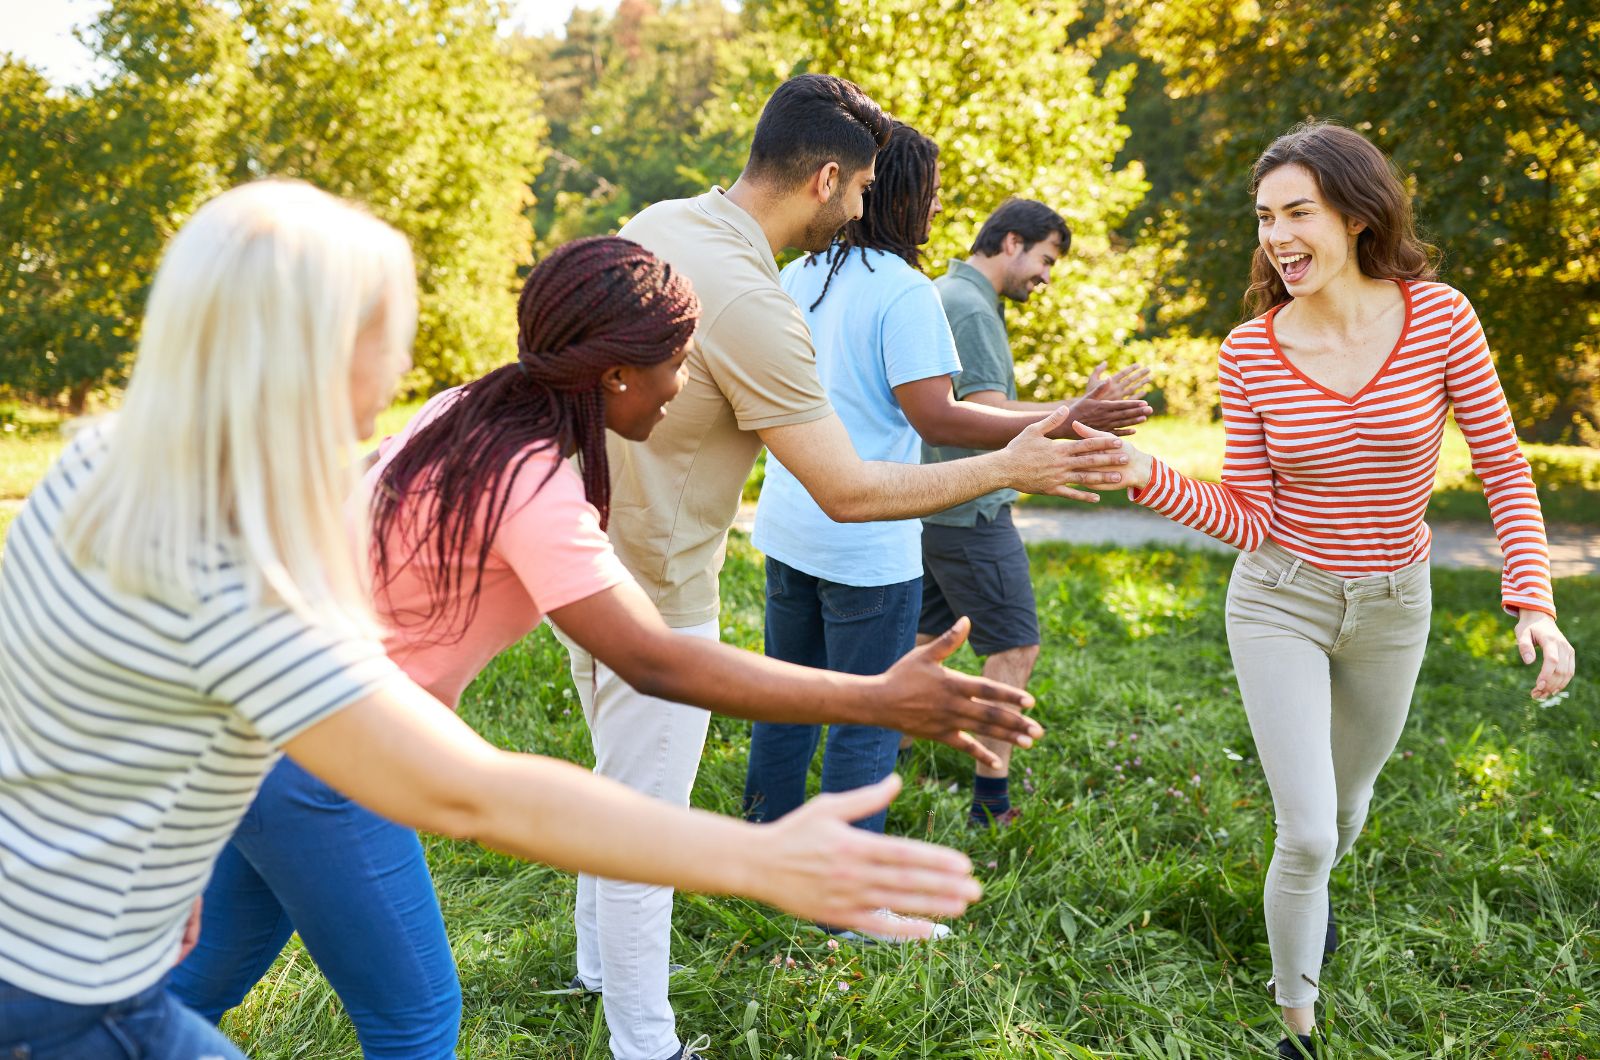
<point x="1043" y="464"/>
<point x="1537" y="630"/>
<point x="815" y="865"/>
<point x="1113" y="403"/>
<point x="926" y="699"/>
<point x="1140" y="466"/>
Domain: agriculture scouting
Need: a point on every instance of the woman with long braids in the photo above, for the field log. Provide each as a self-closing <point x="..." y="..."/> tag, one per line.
<point x="480" y="527"/>
<point x="847" y="596"/>
<point x="1334" y="395"/>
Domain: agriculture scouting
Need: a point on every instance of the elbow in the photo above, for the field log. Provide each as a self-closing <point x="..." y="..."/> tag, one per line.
<point x="849" y="508"/>
<point x="457" y="813"/>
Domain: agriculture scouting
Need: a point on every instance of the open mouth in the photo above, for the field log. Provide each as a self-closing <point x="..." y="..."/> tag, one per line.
<point x="1294" y="267"/>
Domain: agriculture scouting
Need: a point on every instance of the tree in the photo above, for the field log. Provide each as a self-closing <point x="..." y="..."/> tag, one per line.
<point x="1005" y="88"/>
<point x="1490" y="108"/>
<point x="413" y="109"/>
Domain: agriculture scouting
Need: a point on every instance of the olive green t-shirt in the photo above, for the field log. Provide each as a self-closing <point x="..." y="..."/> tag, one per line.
<point x="978" y="322"/>
<point x="674" y="496"/>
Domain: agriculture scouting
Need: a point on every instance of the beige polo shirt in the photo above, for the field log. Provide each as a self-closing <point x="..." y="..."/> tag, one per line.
<point x="674" y="496"/>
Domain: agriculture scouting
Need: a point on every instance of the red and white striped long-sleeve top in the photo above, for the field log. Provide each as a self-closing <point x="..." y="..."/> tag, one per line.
<point x="1343" y="482"/>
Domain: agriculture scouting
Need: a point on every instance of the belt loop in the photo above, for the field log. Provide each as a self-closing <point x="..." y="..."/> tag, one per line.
<point x="1288" y="575"/>
<point x="1394" y="586"/>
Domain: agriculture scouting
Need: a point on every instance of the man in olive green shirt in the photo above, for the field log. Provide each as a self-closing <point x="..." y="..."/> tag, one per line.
<point x="973" y="559"/>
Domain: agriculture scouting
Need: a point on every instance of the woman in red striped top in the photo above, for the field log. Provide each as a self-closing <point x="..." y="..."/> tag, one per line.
<point x="1334" y="400"/>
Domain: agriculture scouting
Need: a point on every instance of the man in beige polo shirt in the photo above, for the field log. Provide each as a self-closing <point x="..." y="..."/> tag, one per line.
<point x="752" y="382"/>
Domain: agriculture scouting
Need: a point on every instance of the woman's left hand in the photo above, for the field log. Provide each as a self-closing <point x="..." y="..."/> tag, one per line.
<point x="1537" y="630"/>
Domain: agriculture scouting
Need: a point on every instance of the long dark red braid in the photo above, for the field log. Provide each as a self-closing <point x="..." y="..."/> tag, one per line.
<point x="894" y="211"/>
<point x="591" y="305"/>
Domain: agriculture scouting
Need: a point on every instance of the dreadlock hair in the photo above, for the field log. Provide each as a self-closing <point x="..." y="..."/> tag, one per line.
<point x="894" y="211"/>
<point x="591" y="305"/>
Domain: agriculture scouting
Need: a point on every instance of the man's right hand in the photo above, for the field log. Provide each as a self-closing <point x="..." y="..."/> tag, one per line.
<point x="1041" y="464"/>
<point x="923" y="698"/>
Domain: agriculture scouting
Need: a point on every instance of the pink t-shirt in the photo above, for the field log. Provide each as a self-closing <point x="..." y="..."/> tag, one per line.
<point x="548" y="552"/>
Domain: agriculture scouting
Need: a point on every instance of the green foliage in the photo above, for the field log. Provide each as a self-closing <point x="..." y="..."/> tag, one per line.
<point x="622" y="95"/>
<point x="414" y="109"/>
<point x="1122" y="914"/>
<point x="1005" y="88"/>
<point x="1492" y="112"/>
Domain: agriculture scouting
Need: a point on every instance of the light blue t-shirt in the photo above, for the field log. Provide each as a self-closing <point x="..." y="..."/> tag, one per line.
<point x="878" y="327"/>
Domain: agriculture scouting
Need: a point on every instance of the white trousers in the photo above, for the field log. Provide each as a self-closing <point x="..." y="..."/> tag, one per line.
<point x="625" y="929"/>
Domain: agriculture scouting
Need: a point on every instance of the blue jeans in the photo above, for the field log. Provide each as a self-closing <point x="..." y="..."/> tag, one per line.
<point x="848" y="629"/>
<point x="151" y="1023"/>
<point x="356" y="887"/>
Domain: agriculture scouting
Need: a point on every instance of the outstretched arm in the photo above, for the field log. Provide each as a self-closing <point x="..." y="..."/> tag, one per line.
<point x="402" y="754"/>
<point x="917" y="695"/>
<point x="850" y="489"/>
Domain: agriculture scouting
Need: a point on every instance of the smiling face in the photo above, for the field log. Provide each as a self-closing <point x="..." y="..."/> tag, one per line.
<point x="1307" y="241"/>
<point x="636" y="398"/>
<point x="1027" y="269"/>
<point x="843" y="206"/>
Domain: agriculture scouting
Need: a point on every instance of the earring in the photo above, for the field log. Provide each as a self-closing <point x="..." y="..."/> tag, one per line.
<point x="621" y="387"/>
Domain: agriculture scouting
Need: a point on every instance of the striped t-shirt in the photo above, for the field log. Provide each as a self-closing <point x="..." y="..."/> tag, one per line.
<point x="1343" y="482"/>
<point x="133" y="736"/>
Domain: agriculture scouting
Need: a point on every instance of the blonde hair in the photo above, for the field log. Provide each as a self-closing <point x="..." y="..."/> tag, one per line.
<point x="237" y="428"/>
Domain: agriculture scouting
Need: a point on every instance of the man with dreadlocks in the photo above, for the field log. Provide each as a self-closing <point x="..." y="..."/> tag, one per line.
<point x="752" y="380"/>
<point x="847" y="596"/>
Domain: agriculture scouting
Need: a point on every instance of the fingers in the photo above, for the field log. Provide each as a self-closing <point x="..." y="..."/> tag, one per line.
<point x="1525" y="644"/>
<point x="1560" y="662"/>
<point x="945" y="645"/>
<point x="968" y="744"/>
<point x="857" y="803"/>
<point x="1088" y="433"/>
<point x="971" y="687"/>
<point x="1068" y="493"/>
<point x="1053" y="421"/>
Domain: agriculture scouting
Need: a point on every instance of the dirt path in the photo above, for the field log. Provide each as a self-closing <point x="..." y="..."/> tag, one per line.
<point x="1574" y="550"/>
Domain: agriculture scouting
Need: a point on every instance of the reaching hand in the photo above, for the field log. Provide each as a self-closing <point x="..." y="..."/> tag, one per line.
<point x="1537" y="629"/>
<point x="1130" y="382"/>
<point x="927" y="700"/>
<point x="1111" y="403"/>
<point x="191" y="932"/>
<point x="1140" y="466"/>
<point x="814" y="865"/>
<point x="1042" y="464"/>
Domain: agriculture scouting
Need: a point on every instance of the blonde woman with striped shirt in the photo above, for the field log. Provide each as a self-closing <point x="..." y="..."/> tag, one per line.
<point x="181" y="601"/>
<point x="1334" y="396"/>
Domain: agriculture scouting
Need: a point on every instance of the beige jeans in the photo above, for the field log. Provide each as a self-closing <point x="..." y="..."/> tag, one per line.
<point x="1326" y="666"/>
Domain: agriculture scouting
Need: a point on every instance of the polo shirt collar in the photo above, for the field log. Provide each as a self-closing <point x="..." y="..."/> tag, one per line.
<point x="962" y="271"/>
<point x="717" y="205"/>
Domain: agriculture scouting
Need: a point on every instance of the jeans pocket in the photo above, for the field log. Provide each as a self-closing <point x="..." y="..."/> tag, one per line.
<point x="852" y="601"/>
<point x="1414" y="597"/>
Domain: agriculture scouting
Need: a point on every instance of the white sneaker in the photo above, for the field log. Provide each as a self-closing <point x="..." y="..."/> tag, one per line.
<point x="691" y="1050"/>
<point x="891" y="937"/>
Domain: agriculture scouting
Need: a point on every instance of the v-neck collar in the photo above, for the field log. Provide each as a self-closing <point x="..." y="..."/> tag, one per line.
<point x="1348" y="399"/>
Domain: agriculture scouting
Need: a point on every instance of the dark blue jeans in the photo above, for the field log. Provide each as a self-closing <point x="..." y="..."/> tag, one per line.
<point x="356" y="887"/>
<point x="149" y="1024"/>
<point x="848" y="629"/>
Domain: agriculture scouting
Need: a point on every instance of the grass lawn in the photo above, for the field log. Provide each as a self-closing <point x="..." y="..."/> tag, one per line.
<point x="1122" y="916"/>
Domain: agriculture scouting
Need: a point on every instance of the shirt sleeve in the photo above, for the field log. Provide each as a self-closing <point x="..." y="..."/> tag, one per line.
<point x="551" y="538"/>
<point x="759" y="354"/>
<point x="1485" y="420"/>
<point x="1238" y="509"/>
<point x="915" y="337"/>
<point x="985" y="354"/>
<point x="283" y="673"/>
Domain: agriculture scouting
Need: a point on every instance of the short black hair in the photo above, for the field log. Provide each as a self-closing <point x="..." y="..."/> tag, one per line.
<point x="811" y="120"/>
<point x="1031" y="220"/>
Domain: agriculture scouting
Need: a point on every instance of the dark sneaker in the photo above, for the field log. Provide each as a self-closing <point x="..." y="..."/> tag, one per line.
<point x="1004" y="820"/>
<point x="1300" y="1047"/>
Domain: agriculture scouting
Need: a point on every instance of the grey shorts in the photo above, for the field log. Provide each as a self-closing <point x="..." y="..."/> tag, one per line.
<point x="982" y="572"/>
